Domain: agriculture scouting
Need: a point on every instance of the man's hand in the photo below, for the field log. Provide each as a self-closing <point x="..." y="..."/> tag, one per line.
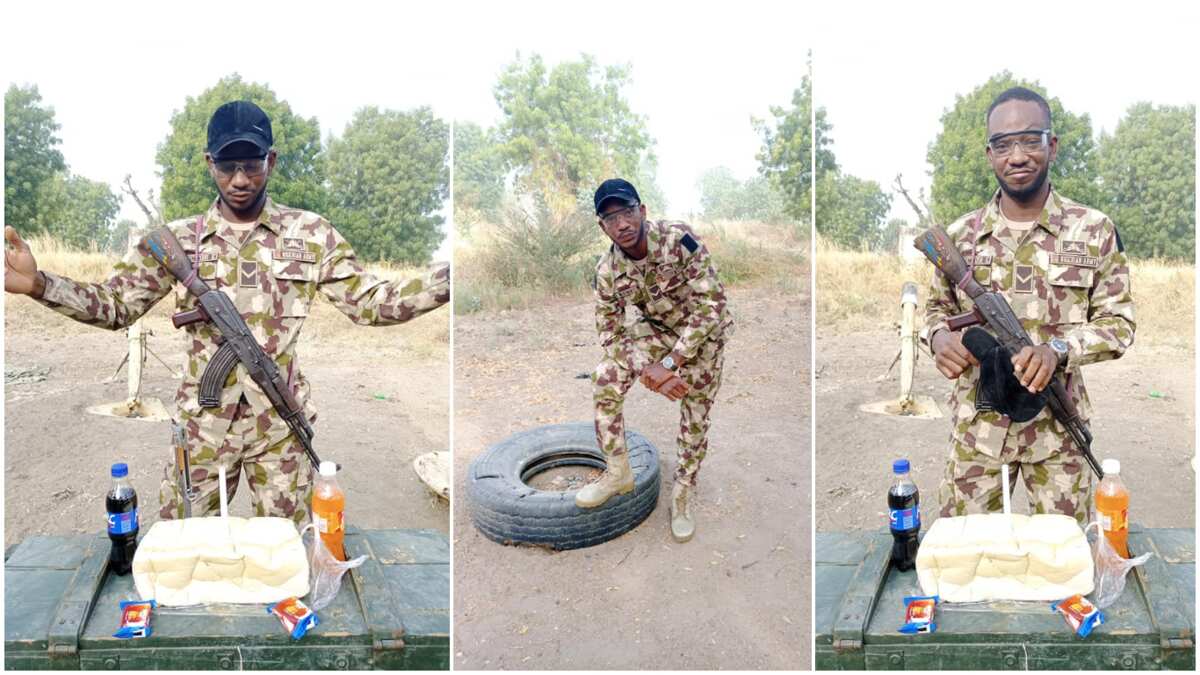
<point x="20" y="269"/>
<point x="1034" y="366"/>
<point x="658" y="379"/>
<point x="950" y="356"/>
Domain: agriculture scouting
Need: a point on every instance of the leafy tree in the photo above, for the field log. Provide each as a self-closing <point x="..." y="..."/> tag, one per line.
<point x="568" y="127"/>
<point x="851" y="211"/>
<point x="479" y="173"/>
<point x="388" y="179"/>
<point x="31" y="156"/>
<point x="723" y="196"/>
<point x="118" y="239"/>
<point x="78" y="211"/>
<point x="962" y="177"/>
<point x="785" y="157"/>
<point x="188" y="189"/>
<point x="1148" y="173"/>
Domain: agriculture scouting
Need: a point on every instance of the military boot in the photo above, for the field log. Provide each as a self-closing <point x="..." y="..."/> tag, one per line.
<point x="683" y="526"/>
<point x="617" y="479"/>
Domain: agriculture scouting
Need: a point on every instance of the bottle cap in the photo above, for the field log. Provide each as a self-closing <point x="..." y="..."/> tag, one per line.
<point x="900" y="466"/>
<point x="120" y="470"/>
<point x="1111" y="466"/>
<point x="328" y="469"/>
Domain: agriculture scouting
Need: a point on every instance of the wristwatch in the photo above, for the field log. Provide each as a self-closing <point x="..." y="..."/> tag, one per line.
<point x="669" y="363"/>
<point x="1060" y="348"/>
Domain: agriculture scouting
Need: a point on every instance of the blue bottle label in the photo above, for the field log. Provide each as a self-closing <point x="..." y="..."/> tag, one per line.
<point x="123" y="523"/>
<point x="905" y="519"/>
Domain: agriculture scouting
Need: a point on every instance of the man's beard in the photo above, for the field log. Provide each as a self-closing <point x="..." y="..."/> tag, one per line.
<point x="1024" y="194"/>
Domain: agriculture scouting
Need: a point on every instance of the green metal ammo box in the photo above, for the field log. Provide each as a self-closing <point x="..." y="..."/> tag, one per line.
<point x="860" y="606"/>
<point x="61" y="608"/>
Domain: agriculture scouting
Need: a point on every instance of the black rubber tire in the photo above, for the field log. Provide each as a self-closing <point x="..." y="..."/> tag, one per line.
<point x="507" y="510"/>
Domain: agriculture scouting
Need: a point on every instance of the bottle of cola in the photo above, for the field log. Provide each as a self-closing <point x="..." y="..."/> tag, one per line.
<point x="122" y="505"/>
<point x="904" y="516"/>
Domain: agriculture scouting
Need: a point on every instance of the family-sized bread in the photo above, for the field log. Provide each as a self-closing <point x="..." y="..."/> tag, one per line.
<point x="207" y="560"/>
<point x="1005" y="557"/>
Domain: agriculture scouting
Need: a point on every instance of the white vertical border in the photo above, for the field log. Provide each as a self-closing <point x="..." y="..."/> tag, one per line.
<point x="812" y="369"/>
<point x="450" y="235"/>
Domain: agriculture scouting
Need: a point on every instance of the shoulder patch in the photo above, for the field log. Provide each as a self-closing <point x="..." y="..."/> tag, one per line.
<point x="689" y="242"/>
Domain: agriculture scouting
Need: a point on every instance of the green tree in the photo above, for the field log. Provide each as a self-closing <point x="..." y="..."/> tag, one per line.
<point x="78" y="211"/>
<point x="566" y="128"/>
<point x="963" y="179"/>
<point x="851" y="211"/>
<point x="785" y="157"/>
<point x="187" y="188"/>
<point x="1148" y="173"/>
<point x="31" y="156"/>
<point x="388" y="180"/>
<point x="479" y="172"/>
<point x="723" y="196"/>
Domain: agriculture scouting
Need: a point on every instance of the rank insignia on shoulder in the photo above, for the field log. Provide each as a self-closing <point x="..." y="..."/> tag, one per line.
<point x="690" y="243"/>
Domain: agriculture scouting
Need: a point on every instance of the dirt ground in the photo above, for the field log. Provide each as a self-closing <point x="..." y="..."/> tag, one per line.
<point x="735" y="597"/>
<point x="379" y="406"/>
<point x="1151" y="435"/>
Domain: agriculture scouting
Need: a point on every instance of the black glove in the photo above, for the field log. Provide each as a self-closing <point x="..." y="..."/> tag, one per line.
<point x="999" y="389"/>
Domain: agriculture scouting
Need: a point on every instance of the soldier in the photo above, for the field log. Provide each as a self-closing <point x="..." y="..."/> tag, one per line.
<point x="272" y="261"/>
<point x="675" y="347"/>
<point x="1062" y="267"/>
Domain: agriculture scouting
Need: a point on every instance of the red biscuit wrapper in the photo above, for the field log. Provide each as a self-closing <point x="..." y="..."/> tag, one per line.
<point x="1081" y="615"/>
<point x="135" y="619"/>
<point x="296" y="617"/>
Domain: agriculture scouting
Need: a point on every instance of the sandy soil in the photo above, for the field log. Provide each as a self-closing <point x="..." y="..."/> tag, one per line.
<point x="378" y="408"/>
<point x="1151" y="435"/>
<point x="736" y="596"/>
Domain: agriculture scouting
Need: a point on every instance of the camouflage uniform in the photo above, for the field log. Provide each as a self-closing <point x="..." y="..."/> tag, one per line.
<point x="272" y="278"/>
<point x="1065" y="278"/>
<point x="682" y="309"/>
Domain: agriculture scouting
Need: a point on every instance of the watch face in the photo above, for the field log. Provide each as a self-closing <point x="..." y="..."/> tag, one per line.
<point x="669" y="363"/>
<point x="1058" y="345"/>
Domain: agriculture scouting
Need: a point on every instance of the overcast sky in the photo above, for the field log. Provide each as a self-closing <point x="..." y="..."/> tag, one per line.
<point x="886" y="89"/>
<point x="699" y="72"/>
<point x="115" y="73"/>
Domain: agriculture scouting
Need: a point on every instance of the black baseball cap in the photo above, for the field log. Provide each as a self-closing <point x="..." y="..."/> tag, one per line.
<point x="615" y="188"/>
<point x="239" y="122"/>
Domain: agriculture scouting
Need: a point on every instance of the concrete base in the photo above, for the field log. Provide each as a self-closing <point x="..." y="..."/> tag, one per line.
<point x="919" y="407"/>
<point x="147" y="409"/>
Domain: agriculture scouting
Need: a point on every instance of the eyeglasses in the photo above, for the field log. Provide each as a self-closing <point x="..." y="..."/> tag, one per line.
<point x="1029" y="141"/>
<point x="253" y="168"/>
<point x="609" y="219"/>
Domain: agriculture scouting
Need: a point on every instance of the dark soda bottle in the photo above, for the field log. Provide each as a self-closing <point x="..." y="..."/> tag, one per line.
<point x="122" y="506"/>
<point x="904" y="516"/>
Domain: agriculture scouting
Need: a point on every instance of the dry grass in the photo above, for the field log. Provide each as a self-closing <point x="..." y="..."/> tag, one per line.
<point x="746" y="253"/>
<point x="859" y="290"/>
<point x="427" y="337"/>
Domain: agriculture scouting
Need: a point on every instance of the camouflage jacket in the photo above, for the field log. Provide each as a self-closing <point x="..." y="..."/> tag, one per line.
<point x="675" y="288"/>
<point x="272" y="278"/>
<point x="1068" y="278"/>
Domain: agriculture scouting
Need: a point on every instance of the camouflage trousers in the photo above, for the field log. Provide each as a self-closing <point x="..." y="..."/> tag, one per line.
<point x="1059" y="483"/>
<point x="277" y="471"/>
<point x="613" y="378"/>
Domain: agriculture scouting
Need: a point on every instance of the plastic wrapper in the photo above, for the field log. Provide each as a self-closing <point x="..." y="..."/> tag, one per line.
<point x="135" y="619"/>
<point x="1110" y="568"/>
<point x="296" y="618"/>
<point x="918" y="614"/>
<point x="1081" y="615"/>
<point x="325" y="570"/>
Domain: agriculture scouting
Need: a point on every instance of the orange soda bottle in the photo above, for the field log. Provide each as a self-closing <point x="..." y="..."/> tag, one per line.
<point x="328" y="509"/>
<point x="1112" y="505"/>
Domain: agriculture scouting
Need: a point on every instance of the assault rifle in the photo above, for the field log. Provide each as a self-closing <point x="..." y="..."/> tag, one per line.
<point x="993" y="310"/>
<point x="237" y="342"/>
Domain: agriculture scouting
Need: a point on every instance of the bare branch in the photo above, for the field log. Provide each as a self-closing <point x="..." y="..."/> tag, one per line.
<point x="154" y="218"/>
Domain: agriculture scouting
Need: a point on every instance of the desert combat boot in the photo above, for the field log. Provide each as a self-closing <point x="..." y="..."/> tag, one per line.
<point x="683" y="526"/>
<point x="617" y="479"/>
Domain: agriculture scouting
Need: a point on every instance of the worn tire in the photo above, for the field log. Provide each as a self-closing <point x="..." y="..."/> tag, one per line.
<point x="509" y="511"/>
